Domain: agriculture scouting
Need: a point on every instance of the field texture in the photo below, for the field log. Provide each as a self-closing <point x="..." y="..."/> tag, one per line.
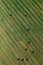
<point x="21" y="32"/>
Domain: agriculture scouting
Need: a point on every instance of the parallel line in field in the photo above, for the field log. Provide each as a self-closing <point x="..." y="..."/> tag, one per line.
<point x="21" y="20"/>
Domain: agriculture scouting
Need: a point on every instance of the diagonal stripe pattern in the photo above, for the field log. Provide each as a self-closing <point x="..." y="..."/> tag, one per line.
<point x="21" y="32"/>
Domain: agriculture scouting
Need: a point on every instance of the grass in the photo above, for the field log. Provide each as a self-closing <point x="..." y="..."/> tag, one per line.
<point x="21" y="34"/>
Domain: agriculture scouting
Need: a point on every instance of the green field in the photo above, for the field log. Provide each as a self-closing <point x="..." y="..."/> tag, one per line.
<point x="21" y="32"/>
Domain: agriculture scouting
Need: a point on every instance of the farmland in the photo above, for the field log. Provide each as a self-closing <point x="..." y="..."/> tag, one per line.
<point x="21" y="32"/>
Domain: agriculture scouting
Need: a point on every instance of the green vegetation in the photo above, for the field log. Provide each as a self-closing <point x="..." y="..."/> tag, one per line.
<point x="21" y="32"/>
